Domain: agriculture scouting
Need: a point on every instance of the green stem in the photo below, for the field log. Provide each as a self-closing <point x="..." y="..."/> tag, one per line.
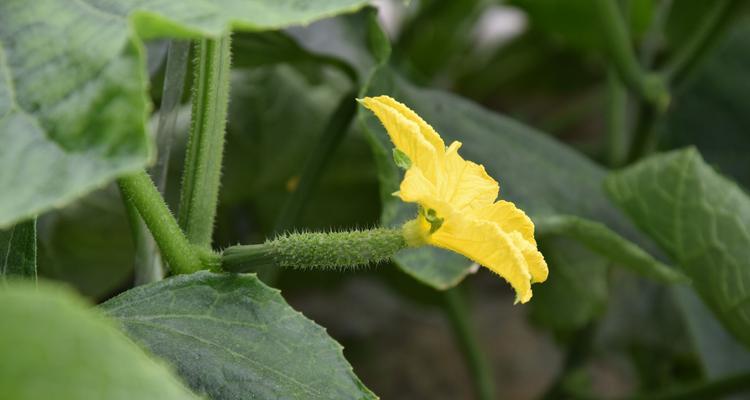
<point x="648" y="86"/>
<point x="140" y="190"/>
<point x="654" y="37"/>
<point x="717" y="389"/>
<point x="202" y="174"/>
<point x="646" y="133"/>
<point x="320" y="156"/>
<point x="686" y="57"/>
<point x="317" y="250"/>
<point x="458" y="315"/>
<point x="148" y="264"/>
<point x="617" y="107"/>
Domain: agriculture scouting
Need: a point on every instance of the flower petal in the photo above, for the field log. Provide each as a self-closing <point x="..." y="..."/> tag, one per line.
<point x="510" y="218"/>
<point x="415" y="188"/>
<point x="409" y="133"/>
<point x="534" y="259"/>
<point x="485" y="243"/>
<point x="466" y="185"/>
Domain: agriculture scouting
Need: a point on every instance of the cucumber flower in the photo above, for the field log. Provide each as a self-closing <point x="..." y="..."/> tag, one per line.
<point x="457" y="203"/>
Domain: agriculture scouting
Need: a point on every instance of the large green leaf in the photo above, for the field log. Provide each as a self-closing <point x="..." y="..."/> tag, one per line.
<point x="262" y="171"/>
<point x="544" y="177"/>
<point x="233" y="337"/>
<point x="712" y="111"/>
<point x="18" y="250"/>
<point x="721" y="353"/>
<point x="73" y="84"/>
<point x="702" y="220"/>
<point x="88" y="244"/>
<point x="54" y="346"/>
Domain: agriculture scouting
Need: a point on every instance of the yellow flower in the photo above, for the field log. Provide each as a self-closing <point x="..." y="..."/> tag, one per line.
<point x="456" y="200"/>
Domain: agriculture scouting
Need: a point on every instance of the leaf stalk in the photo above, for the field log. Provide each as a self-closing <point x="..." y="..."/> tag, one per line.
<point x="202" y="173"/>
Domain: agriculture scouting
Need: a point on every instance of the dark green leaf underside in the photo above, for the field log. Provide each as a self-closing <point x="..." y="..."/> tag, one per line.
<point x="233" y="337"/>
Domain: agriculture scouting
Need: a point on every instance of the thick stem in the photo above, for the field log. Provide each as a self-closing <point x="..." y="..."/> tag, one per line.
<point x="140" y="190"/>
<point x="202" y="174"/>
<point x="148" y="264"/>
<point x="686" y="57"/>
<point x="650" y="87"/>
<point x="317" y="250"/>
<point x="457" y="312"/>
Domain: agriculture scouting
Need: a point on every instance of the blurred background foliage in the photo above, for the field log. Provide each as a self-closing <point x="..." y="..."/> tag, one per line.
<point x="591" y="329"/>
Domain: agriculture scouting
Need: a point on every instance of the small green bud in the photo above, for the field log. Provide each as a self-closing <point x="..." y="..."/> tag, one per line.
<point x="402" y="160"/>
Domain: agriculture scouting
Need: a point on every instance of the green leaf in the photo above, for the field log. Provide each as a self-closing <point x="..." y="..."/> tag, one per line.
<point x="712" y="111"/>
<point x="542" y="176"/>
<point x="18" y="250"/>
<point x="73" y="85"/>
<point x="721" y="353"/>
<point x="261" y="171"/>
<point x="55" y="346"/>
<point x="602" y="240"/>
<point x="702" y="220"/>
<point x="577" y="289"/>
<point x="88" y="244"/>
<point x="233" y="337"/>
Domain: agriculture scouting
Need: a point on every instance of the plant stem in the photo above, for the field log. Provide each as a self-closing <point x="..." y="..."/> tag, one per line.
<point x="148" y="264"/>
<point x="650" y="87"/>
<point x="317" y="250"/>
<point x="202" y="174"/>
<point x="320" y="156"/>
<point x="140" y="190"/>
<point x="717" y="389"/>
<point x="686" y="57"/>
<point x="646" y="133"/>
<point x="654" y="37"/>
<point x="457" y="312"/>
<point x="617" y="107"/>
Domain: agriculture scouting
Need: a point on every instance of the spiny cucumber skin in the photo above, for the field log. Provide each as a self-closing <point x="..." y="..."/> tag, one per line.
<point x="336" y="250"/>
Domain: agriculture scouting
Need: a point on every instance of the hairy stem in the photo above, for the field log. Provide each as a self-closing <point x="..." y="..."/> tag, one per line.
<point x="458" y="315"/>
<point x="148" y="264"/>
<point x="139" y="189"/>
<point x="202" y="174"/>
<point x="317" y="250"/>
<point x="648" y="86"/>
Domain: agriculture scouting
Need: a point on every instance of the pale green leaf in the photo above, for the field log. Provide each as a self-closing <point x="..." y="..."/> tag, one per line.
<point x="233" y="337"/>
<point x="702" y="220"/>
<point x="18" y="250"/>
<point x="73" y="84"/>
<point x="54" y="346"/>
